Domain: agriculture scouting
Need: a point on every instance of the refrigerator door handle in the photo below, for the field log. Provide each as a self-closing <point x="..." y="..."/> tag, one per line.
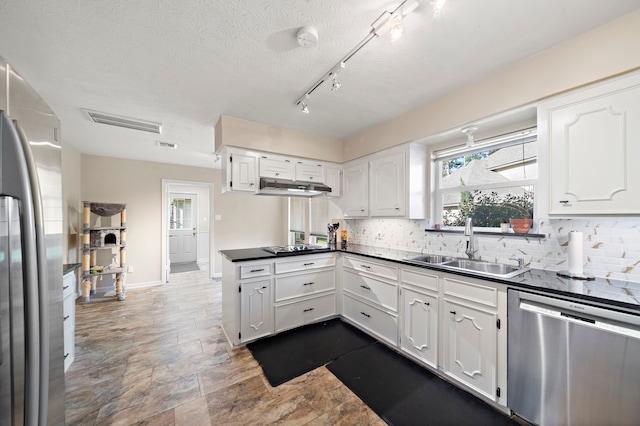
<point x="43" y="281"/>
<point x="14" y="157"/>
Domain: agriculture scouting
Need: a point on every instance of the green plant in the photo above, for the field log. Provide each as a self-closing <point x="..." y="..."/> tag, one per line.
<point x="490" y="209"/>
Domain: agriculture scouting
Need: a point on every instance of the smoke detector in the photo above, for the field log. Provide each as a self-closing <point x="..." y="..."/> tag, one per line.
<point x="307" y="36"/>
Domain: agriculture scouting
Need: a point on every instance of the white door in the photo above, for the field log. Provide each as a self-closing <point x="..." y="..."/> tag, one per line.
<point x="182" y="227"/>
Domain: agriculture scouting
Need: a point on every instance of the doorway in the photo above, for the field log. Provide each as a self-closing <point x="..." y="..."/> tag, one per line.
<point x="183" y="232"/>
<point x="187" y="236"/>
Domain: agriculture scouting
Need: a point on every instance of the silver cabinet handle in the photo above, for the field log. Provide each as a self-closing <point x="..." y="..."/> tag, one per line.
<point x="65" y="287"/>
<point x="366" y="287"/>
<point x="365" y="314"/>
<point x="365" y="266"/>
<point x="309" y="283"/>
<point x="309" y="264"/>
<point x="426" y="303"/>
<point x="257" y="270"/>
<point x="308" y="310"/>
<point x="66" y="318"/>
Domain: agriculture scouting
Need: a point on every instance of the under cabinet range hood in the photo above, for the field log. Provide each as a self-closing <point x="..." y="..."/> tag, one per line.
<point x="291" y="188"/>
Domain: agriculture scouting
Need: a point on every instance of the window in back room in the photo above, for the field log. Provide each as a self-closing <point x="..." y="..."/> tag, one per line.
<point x="492" y="181"/>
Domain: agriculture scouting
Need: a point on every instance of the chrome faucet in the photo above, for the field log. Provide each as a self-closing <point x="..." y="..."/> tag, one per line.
<point x="468" y="232"/>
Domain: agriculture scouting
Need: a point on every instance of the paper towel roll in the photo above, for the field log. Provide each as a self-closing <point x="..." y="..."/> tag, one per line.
<point x="575" y="253"/>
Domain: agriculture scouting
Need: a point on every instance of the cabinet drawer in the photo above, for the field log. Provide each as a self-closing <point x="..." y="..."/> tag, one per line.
<point x="309" y="172"/>
<point x="420" y="279"/>
<point x="376" y="291"/>
<point x="305" y="263"/>
<point x="291" y="286"/>
<point x="381" y="323"/>
<point x="390" y="272"/>
<point x="68" y="284"/>
<point x="255" y="270"/>
<point x="69" y="311"/>
<point x="295" y="314"/>
<point x="277" y="169"/>
<point x="472" y="292"/>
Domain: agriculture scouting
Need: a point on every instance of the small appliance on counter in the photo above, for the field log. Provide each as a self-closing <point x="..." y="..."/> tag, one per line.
<point x="333" y="229"/>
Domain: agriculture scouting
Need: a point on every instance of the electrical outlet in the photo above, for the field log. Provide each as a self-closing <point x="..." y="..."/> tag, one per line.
<point x="130" y="269"/>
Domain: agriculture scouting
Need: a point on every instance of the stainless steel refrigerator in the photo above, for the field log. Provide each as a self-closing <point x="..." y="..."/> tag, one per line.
<point x="31" y="322"/>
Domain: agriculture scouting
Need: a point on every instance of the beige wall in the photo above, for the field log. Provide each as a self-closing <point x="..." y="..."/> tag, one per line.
<point x="246" y="221"/>
<point x="240" y="133"/>
<point x="605" y="51"/>
<point x="71" y="204"/>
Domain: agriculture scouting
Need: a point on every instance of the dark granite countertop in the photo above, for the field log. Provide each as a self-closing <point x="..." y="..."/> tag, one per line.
<point x="613" y="293"/>
<point x="70" y="267"/>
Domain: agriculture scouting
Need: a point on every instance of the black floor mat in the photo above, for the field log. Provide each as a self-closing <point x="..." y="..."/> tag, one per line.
<point x="403" y="393"/>
<point x="295" y="352"/>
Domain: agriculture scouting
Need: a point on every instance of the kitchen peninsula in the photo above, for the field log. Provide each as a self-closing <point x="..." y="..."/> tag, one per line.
<point x="424" y="312"/>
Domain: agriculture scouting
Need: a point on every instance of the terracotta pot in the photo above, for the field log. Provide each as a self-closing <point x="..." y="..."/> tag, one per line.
<point x="521" y="226"/>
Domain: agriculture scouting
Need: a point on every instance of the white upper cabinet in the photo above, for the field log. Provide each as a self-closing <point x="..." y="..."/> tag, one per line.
<point x="277" y="168"/>
<point x="356" y="190"/>
<point x="239" y="171"/>
<point x="391" y="183"/>
<point x="333" y="179"/>
<point x="387" y="185"/>
<point x="309" y="171"/>
<point x="594" y="141"/>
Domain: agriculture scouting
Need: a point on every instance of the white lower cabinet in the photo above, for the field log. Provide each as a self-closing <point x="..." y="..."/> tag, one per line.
<point x="419" y="316"/>
<point x="472" y="330"/>
<point x="69" y="317"/>
<point x="255" y="309"/>
<point x="379" y="322"/>
<point x="304" y="290"/>
<point x="294" y="314"/>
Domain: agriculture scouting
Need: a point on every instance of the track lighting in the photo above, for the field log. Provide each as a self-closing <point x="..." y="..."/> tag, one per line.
<point x="387" y="22"/>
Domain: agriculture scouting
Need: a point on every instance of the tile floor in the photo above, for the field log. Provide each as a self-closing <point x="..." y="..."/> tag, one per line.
<point x="160" y="358"/>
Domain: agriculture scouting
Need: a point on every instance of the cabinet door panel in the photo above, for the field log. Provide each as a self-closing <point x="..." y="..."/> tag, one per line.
<point x="471" y="346"/>
<point x="593" y="138"/>
<point x="276" y="168"/>
<point x="243" y="173"/>
<point x="256" y="309"/>
<point x="388" y="186"/>
<point x="420" y="326"/>
<point x="356" y="190"/>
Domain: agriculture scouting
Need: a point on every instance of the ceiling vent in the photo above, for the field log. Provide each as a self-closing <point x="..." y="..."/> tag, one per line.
<point x="166" y="145"/>
<point x="126" y="122"/>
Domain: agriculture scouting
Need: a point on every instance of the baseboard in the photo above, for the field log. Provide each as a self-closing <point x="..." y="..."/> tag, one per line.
<point x="217" y="275"/>
<point x="144" y="284"/>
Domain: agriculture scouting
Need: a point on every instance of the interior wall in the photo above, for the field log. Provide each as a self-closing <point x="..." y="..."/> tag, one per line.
<point x="71" y="204"/>
<point x="247" y="134"/>
<point x="603" y="52"/>
<point x="245" y="221"/>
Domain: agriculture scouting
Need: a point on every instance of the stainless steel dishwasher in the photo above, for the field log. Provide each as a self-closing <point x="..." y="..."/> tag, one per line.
<point x="571" y="362"/>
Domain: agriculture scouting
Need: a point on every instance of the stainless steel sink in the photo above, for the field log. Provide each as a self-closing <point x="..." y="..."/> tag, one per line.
<point x="431" y="258"/>
<point x="485" y="268"/>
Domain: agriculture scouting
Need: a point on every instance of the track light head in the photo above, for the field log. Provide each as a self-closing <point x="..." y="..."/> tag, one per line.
<point x="304" y="107"/>
<point x="336" y="84"/>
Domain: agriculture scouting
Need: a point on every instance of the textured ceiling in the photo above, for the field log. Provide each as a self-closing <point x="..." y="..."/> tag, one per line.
<point x="185" y="62"/>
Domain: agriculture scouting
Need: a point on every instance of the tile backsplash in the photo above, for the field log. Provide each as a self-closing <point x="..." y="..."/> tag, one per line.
<point x="611" y="246"/>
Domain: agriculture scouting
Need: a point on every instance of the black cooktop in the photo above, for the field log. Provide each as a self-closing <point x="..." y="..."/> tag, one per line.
<point x="296" y="248"/>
